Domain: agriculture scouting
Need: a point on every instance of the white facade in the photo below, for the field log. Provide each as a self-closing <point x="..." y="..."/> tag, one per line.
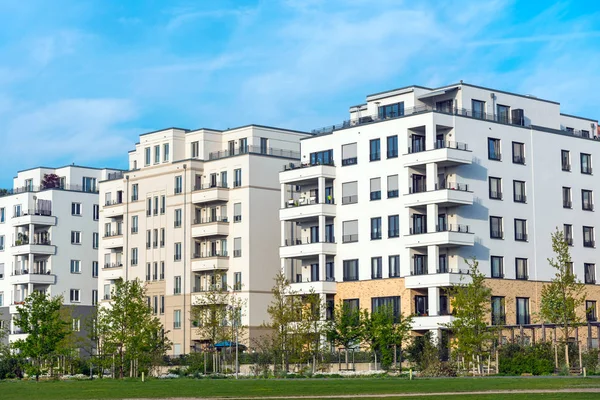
<point x="437" y="181"/>
<point x="48" y="239"/>
<point x="194" y="203"/>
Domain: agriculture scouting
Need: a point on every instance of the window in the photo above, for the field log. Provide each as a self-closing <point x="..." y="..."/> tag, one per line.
<point x="350" y="231"/>
<point x="566" y="195"/>
<point x="518" y="153"/>
<point x="177" y="222"/>
<point x="148" y="271"/>
<point x="149" y="206"/>
<point x="177" y="256"/>
<point x="589" y="273"/>
<point x="162" y="304"/>
<point x="392" y="146"/>
<point x="135" y="192"/>
<point x="349" y="156"/>
<point x="497" y="264"/>
<point x="588" y="236"/>
<point x="165" y="152"/>
<point x="2" y="243"/>
<point x="224" y="179"/>
<point x="162" y="237"/>
<point x="155" y="271"/>
<point x="392" y="186"/>
<point x="519" y="192"/>
<point x="350" y="270"/>
<point x="1" y="300"/>
<point x="394" y="266"/>
<point x="177" y="284"/>
<point x="162" y="270"/>
<point x="521" y="268"/>
<point x="195" y="149"/>
<point x="177" y="319"/>
<point x="75" y="295"/>
<point x="96" y="212"/>
<point x="393" y="226"/>
<point x="94" y="269"/>
<point x="76" y="324"/>
<point x="565" y="158"/>
<point x="2" y="215"/>
<point x="94" y="297"/>
<point x="75" y="266"/>
<point x="237" y="281"/>
<point x="156" y="154"/>
<point x="568" y="233"/>
<point x="178" y="184"/>
<point x="75" y="237"/>
<point x="478" y="109"/>
<point x="496" y="231"/>
<point x="391" y="303"/>
<point x="376" y="268"/>
<point x="237" y="212"/>
<point x="76" y="209"/>
<point x="522" y="311"/>
<point x="376" y="228"/>
<point x="494" y="149"/>
<point x="237" y="247"/>
<point x="148" y="238"/>
<point x="134" y="256"/>
<point x="391" y="110"/>
<point x="375" y="150"/>
<point x="521" y="230"/>
<point x="503" y="113"/>
<point x="590" y="310"/>
<point x="498" y="311"/>
<point x="95" y="240"/>
<point x="495" y="188"/>
<point x="89" y="184"/>
<point x="350" y="192"/>
<point x="154" y="305"/>
<point x="322" y="157"/>
<point x="264" y="145"/>
<point x="147" y="156"/>
<point x="134" y="224"/>
<point x="163" y="204"/>
<point x="375" y="188"/>
<point x="587" y="201"/>
<point x="586" y="163"/>
<point x="237" y="177"/>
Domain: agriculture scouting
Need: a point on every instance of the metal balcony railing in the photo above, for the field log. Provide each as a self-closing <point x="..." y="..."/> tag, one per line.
<point x="210" y="254"/>
<point x="200" y="221"/>
<point x="251" y="149"/>
<point x="293" y="166"/>
<point x="35" y="211"/>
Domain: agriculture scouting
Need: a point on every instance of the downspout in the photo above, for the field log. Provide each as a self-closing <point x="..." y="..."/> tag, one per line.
<point x="126" y="233"/>
<point x="184" y="256"/>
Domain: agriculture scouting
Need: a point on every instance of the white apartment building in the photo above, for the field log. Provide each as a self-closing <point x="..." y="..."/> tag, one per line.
<point x="385" y="206"/>
<point x="195" y="204"/>
<point x="49" y="240"/>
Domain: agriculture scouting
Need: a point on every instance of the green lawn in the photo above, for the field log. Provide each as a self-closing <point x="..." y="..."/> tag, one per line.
<point x="154" y="388"/>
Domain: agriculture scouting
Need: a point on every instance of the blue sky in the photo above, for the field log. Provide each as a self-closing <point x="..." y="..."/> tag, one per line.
<point x="79" y="80"/>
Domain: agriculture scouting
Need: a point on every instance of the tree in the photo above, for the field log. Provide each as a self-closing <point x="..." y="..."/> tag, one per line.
<point x="345" y="328"/>
<point x="311" y="329"/>
<point x="50" y="181"/>
<point x="40" y="318"/>
<point x="561" y="298"/>
<point x="471" y="308"/>
<point x="128" y="328"/>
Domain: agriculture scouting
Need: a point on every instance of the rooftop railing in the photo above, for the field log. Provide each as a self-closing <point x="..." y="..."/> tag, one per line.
<point x="34" y="189"/>
<point x="293" y="166"/>
<point x="267" y="151"/>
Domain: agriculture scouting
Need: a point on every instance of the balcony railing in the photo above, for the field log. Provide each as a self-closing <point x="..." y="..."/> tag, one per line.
<point x="24" y="213"/>
<point x="210" y="220"/>
<point x="33" y="189"/>
<point x="417" y="230"/>
<point x="306" y="201"/>
<point x="445" y="144"/>
<point x="293" y="166"/>
<point x="463" y="187"/>
<point x="113" y="202"/>
<point x="35" y="271"/>
<point x="112" y="176"/>
<point x="210" y="186"/>
<point x="267" y="151"/>
<point x="112" y="265"/>
<point x="209" y="254"/>
<point x="299" y="242"/>
<point x="23" y="242"/>
<point x="118" y="232"/>
<point x="452" y="228"/>
<point x="349" y="161"/>
<point x="350" y="199"/>
<point x="350" y="238"/>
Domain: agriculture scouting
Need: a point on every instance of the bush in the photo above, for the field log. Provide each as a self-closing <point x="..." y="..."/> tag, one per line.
<point x="440" y="369"/>
<point x="590" y="360"/>
<point x="516" y="359"/>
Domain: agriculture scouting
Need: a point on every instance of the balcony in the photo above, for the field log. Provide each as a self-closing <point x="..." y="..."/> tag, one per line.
<point x="431" y="322"/>
<point x="210" y="227"/>
<point x="445" y="154"/>
<point x="210" y="261"/>
<point x="113" y="240"/>
<point x="39" y="277"/>
<point x="321" y="287"/>
<point x="114" y="208"/>
<point x="35" y="217"/>
<point x="449" y="236"/>
<point x="306" y="208"/>
<point x="297" y="173"/>
<point x="251" y="149"/>
<point x="36" y="247"/>
<point x="112" y="271"/>
<point x="298" y="249"/>
<point x="210" y="194"/>
<point x="440" y="279"/>
<point x="448" y="195"/>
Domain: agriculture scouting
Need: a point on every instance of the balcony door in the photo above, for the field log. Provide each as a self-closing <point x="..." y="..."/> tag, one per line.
<point x="419" y="224"/>
<point x="417" y="143"/>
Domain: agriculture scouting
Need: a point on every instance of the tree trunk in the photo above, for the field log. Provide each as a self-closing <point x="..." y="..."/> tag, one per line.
<point x="567" y="354"/>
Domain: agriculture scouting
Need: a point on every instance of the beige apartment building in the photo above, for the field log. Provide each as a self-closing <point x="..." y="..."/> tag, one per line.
<point x="196" y="202"/>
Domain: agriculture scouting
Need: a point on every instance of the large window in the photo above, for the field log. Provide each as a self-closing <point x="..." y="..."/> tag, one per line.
<point x="498" y="311"/>
<point x="590" y="310"/>
<point x="392" y="186"/>
<point x="349" y="154"/>
<point x="478" y="109"/>
<point x="589" y="273"/>
<point x="497" y="266"/>
<point x="393" y="226"/>
<point x="391" y="110"/>
<point x="375" y="188"/>
<point x="322" y="158"/>
<point x="503" y="113"/>
<point x="496" y="230"/>
<point x="521" y="271"/>
<point x="237" y="177"/>
<point x="387" y="304"/>
<point x="350" y="231"/>
<point x="518" y="153"/>
<point x="237" y="246"/>
<point x="494" y="149"/>
<point x="394" y="266"/>
<point x="350" y="192"/>
<point x="375" y="150"/>
<point x="588" y="236"/>
<point x="565" y="159"/>
<point x="350" y="270"/>
<point x="177" y="319"/>
<point x="495" y="188"/>
<point x="376" y="268"/>
<point x="147" y="152"/>
<point x="523" y="317"/>
<point x="520" y="230"/>
<point x="376" y="228"/>
<point x="587" y="200"/>
<point x="156" y="154"/>
<point x="177" y="256"/>
<point x="566" y="197"/>
<point x="178" y="184"/>
<point x="519" y="192"/>
<point x="568" y="233"/>
<point x="586" y="163"/>
<point x="392" y="146"/>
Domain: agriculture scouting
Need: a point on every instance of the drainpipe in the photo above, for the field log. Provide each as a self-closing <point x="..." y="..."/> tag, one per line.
<point x="184" y="254"/>
<point x="126" y="233"/>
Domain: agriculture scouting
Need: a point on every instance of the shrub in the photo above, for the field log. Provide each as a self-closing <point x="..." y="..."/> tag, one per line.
<point x="516" y="359"/>
<point x="590" y="360"/>
<point x="440" y="369"/>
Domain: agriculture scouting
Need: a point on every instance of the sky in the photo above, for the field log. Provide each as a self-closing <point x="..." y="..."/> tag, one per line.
<point x="80" y="80"/>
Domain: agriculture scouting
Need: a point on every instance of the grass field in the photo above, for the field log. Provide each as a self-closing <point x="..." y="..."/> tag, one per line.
<point x="154" y="388"/>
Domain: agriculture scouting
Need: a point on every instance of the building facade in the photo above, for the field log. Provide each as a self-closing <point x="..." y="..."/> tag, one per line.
<point x="385" y="207"/>
<point x="49" y="240"/>
<point x="193" y="206"/>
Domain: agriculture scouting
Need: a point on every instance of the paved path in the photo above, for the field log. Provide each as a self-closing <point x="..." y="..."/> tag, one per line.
<point x="392" y="395"/>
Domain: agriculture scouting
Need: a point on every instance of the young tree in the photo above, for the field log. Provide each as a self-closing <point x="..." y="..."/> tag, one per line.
<point x="471" y="305"/>
<point x="312" y="329"/>
<point x="128" y="326"/>
<point x="50" y="181"/>
<point x="345" y="329"/>
<point x="40" y="318"/>
<point x="561" y="298"/>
